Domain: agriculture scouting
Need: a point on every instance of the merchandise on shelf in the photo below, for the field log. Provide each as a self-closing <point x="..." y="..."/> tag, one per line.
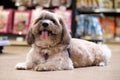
<point x="67" y="17"/>
<point x="5" y="21"/>
<point x="65" y="3"/>
<point x="108" y="3"/>
<point x="4" y="41"/>
<point x="118" y="26"/>
<point x="108" y="26"/>
<point x="117" y="3"/>
<point x="55" y="3"/>
<point x="21" y="22"/>
<point x="89" y="4"/>
<point x="42" y="3"/>
<point x="88" y="26"/>
<point x="80" y="25"/>
<point x="23" y="3"/>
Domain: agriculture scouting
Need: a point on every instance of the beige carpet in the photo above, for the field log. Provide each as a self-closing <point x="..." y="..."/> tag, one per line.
<point x="15" y="54"/>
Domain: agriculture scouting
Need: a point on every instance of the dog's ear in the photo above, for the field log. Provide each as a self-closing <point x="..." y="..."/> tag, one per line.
<point x="30" y="37"/>
<point x="66" y="37"/>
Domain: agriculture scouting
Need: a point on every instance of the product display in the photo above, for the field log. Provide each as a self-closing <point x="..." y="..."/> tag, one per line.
<point x="80" y="26"/>
<point x="55" y="3"/>
<point x="108" y="26"/>
<point x="88" y="26"/>
<point x="89" y="4"/>
<point x="4" y="41"/>
<point x="118" y="26"/>
<point x="23" y="3"/>
<point x="117" y="3"/>
<point x="16" y="22"/>
<point x="5" y="21"/>
<point x="65" y="3"/>
<point x="42" y="3"/>
<point x="108" y="3"/>
<point x="67" y="17"/>
<point x="21" y="22"/>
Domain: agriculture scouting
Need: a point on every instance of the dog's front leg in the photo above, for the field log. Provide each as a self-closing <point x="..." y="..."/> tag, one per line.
<point x="24" y="65"/>
<point x="28" y="64"/>
<point x="56" y="64"/>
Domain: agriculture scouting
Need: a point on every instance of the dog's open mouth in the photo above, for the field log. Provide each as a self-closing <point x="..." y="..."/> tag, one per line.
<point x="45" y="34"/>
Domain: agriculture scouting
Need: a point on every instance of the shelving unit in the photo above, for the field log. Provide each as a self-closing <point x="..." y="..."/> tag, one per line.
<point x="20" y="39"/>
<point x="101" y="12"/>
<point x="16" y="39"/>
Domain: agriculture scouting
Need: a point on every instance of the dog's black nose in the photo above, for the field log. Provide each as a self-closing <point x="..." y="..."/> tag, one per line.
<point x="44" y="24"/>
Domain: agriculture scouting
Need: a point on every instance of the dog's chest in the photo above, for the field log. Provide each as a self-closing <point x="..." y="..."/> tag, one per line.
<point x="42" y="56"/>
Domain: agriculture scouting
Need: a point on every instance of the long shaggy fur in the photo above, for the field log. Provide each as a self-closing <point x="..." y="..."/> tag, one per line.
<point x="50" y="42"/>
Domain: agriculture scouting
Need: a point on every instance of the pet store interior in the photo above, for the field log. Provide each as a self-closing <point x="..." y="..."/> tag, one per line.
<point x="97" y="21"/>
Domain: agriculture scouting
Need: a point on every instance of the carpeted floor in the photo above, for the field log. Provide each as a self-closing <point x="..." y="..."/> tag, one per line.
<point x="15" y="54"/>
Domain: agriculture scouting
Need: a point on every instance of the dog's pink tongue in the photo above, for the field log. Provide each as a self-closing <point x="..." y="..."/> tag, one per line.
<point x="44" y="34"/>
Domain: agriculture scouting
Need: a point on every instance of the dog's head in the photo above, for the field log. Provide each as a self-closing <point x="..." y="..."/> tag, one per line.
<point x="48" y="30"/>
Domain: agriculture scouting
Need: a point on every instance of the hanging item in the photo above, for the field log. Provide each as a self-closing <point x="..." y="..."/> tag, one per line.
<point x="21" y="22"/>
<point x="5" y="20"/>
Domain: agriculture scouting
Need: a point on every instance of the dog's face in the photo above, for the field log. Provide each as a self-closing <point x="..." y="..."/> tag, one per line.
<point x="48" y="30"/>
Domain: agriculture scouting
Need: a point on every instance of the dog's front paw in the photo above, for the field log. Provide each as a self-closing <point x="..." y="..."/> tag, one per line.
<point x="40" y="68"/>
<point x="46" y="68"/>
<point x="21" y="66"/>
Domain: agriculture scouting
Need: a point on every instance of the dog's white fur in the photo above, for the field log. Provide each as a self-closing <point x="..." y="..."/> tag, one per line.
<point x="55" y="47"/>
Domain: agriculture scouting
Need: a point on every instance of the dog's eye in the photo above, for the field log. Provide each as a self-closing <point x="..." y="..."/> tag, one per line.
<point x="40" y="18"/>
<point x="53" y="20"/>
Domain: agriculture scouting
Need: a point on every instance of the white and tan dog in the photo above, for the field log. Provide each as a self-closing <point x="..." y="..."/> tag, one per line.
<point x="54" y="49"/>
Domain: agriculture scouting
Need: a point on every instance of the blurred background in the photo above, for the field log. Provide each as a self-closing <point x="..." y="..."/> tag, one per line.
<point x="93" y="20"/>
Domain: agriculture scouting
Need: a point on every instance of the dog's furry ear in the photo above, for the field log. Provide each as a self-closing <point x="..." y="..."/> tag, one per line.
<point x="30" y="37"/>
<point x="66" y="37"/>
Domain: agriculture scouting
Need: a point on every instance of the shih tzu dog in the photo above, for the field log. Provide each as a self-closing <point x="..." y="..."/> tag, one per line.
<point x="54" y="49"/>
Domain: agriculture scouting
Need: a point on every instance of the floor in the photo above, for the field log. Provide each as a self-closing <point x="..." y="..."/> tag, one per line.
<point x="15" y="54"/>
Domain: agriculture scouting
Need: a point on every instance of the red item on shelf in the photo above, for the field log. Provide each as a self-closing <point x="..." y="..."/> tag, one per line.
<point x="118" y="26"/>
<point x="5" y="20"/>
<point x="21" y="22"/>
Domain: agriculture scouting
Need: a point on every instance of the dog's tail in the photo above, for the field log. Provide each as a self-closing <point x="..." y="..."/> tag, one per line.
<point x="106" y="52"/>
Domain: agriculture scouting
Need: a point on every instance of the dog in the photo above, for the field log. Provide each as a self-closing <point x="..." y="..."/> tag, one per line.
<point x="54" y="49"/>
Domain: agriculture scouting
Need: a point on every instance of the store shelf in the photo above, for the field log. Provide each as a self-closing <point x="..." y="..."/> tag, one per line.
<point x="100" y="10"/>
<point x="93" y="39"/>
<point x="103" y="10"/>
<point x="113" y="42"/>
<point x="18" y="43"/>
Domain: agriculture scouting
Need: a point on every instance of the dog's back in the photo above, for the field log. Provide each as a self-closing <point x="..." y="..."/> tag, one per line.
<point x="85" y="53"/>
